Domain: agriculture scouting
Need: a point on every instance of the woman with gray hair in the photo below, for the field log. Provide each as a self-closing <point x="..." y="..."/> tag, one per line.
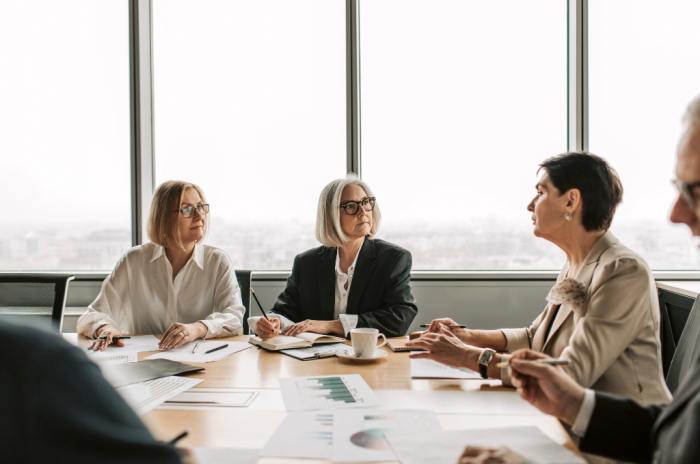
<point x="352" y="280"/>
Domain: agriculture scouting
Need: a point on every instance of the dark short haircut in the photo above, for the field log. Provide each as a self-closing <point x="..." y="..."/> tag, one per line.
<point x="598" y="182"/>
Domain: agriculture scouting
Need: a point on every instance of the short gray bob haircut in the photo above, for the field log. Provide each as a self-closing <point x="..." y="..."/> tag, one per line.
<point x="328" y="230"/>
<point x="692" y="114"/>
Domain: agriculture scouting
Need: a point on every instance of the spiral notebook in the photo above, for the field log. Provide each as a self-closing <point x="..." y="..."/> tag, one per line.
<point x="398" y="345"/>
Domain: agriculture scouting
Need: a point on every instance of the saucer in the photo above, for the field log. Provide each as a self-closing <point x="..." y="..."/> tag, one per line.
<point x="349" y="353"/>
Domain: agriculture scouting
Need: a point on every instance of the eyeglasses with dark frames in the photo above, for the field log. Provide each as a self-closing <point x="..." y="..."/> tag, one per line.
<point x="686" y="192"/>
<point x="353" y="207"/>
<point x="188" y="211"/>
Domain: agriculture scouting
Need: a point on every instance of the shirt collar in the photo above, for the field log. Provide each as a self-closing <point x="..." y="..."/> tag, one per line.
<point x="354" y="263"/>
<point x="197" y="256"/>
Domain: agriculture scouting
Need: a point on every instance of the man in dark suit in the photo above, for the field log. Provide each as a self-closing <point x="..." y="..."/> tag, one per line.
<point x="56" y="407"/>
<point x="609" y="425"/>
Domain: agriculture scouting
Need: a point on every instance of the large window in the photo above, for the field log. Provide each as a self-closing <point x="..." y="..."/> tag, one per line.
<point x="461" y="100"/>
<point x="250" y="104"/>
<point x="644" y="69"/>
<point x="64" y="134"/>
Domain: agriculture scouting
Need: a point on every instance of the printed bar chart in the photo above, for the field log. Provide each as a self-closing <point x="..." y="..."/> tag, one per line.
<point x="327" y="392"/>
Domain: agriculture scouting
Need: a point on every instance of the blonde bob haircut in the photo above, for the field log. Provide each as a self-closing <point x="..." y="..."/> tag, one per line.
<point x="328" y="230"/>
<point x="163" y="219"/>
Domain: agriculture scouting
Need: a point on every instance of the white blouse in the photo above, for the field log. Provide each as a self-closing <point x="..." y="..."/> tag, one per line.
<point x="141" y="296"/>
<point x="349" y="321"/>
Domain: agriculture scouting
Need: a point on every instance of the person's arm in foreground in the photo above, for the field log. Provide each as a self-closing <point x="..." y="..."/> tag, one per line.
<point x="618" y="428"/>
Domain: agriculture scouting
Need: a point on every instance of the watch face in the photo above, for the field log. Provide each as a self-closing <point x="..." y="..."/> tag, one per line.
<point x="486" y="356"/>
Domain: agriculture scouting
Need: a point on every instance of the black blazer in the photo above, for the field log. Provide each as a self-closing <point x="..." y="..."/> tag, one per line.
<point x="623" y="429"/>
<point x="56" y="407"/>
<point x="380" y="292"/>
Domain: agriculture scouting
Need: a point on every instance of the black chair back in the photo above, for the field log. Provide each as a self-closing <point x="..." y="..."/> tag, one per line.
<point x="37" y="299"/>
<point x="686" y="318"/>
<point x="244" y="284"/>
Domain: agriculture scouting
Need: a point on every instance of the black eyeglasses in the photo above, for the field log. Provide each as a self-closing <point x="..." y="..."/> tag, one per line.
<point x="686" y="191"/>
<point x="352" y="207"/>
<point x="188" y="211"/>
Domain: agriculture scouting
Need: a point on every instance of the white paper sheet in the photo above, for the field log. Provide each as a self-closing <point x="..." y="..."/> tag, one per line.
<point x="446" y="447"/>
<point x="458" y="402"/>
<point x="184" y="353"/>
<point x="144" y="396"/>
<point x="216" y="398"/>
<point x="327" y="392"/>
<point x="135" y="344"/>
<point x="302" y="434"/>
<point x="429" y="369"/>
<point x="105" y="358"/>
<point x="226" y="456"/>
<point x="358" y="434"/>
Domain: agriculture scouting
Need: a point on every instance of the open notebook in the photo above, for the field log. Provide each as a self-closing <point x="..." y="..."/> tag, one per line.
<point x="302" y="340"/>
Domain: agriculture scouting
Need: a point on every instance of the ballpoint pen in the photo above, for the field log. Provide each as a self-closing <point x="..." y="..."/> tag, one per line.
<point x="258" y="302"/>
<point x="216" y="349"/>
<point x="114" y="338"/>
<point x="195" y="348"/>
<point x="553" y="362"/>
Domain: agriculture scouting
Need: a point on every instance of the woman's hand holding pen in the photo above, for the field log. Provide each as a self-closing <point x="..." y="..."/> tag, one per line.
<point x="446" y="349"/>
<point x="447" y="326"/>
<point x="545" y="386"/>
<point x="105" y="331"/>
<point x="266" y="329"/>
<point x="179" y="334"/>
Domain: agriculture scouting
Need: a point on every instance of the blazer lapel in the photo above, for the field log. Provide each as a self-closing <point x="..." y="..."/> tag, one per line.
<point x="363" y="271"/>
<point x="326" y="284"/>
<point x="584" y="275"/>
<point x="538" y="342"/>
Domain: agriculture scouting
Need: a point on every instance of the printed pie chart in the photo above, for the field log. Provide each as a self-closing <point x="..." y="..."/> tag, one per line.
<point x="372" y="439"/>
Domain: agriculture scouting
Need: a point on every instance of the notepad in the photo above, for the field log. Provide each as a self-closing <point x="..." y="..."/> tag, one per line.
<point x="302" y="340"/>
<point x="398" y="345"/>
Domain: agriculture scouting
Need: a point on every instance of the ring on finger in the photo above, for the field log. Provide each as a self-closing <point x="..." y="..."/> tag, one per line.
<point x="183" y="333"/>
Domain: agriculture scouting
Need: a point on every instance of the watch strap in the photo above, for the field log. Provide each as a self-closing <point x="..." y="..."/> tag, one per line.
<point x="484" y="360"/>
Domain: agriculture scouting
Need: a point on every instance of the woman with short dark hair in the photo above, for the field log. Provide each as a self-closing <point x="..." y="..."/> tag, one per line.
<point x="602" y="314"/>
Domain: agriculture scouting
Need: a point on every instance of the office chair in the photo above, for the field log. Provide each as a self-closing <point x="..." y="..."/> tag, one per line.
<point x="244" y="278"/>
<point x="687" y="347"/>
<point x="37" y="299"/>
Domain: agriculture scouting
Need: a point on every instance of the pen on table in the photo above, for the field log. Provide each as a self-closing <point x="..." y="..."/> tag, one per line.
<point x="258" y="302"/>
<point x="216" y="349"/>
<point x="178" y="438"/>
<point x="553" y="362"/>
<point x="113" y="338"/>
<point x="195" y="348"/>
<point x="425" y="326"/>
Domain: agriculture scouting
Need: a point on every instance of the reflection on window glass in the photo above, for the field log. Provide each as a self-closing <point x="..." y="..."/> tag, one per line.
<point x="643" y="72"/>
<point x="64" y="134"/>
<point x="250" y="105"/>
<point x="461" y="100"/>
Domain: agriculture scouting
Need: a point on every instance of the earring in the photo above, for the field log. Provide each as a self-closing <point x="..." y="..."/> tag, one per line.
<point x="567" y="216"/>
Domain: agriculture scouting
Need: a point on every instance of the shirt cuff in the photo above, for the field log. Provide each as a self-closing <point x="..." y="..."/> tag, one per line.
<point x="284" y="322"/>
<point x="583" y="418"/>
<point x="349" y="322"/>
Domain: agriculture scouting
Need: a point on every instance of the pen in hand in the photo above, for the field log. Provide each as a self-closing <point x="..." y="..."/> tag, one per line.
<point x="258" y="302"/>
<point x="553" y="362"/>
<point x="178" y="438"/>
<point x="114" y="338"/>
<point x="425" y="326"/>
<point x="217" y="348"/>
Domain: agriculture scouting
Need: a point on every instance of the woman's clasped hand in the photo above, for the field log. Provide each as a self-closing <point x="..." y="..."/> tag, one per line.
<point x="180" y="334"/>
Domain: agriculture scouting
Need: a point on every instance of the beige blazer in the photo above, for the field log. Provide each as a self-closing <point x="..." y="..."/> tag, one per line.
<point x="613" y="341"/>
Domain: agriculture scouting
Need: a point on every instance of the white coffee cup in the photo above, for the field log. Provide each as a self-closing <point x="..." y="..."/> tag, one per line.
<point x="364" y="342"/>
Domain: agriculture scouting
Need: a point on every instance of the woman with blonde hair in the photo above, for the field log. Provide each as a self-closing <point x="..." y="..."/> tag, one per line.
<point x="172" y="285"/>
<point x="352" y="281"/>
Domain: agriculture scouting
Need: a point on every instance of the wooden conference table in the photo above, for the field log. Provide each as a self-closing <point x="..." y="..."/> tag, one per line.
<point x="255" y="368"/>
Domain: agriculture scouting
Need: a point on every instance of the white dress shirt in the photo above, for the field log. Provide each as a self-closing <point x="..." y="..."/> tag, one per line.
<point x="141" y="296"/>
<point x="583" y="418"/>
<point x="349" y="321"/>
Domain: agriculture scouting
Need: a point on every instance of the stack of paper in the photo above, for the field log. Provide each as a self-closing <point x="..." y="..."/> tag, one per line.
<point x="185" y="354"/>
<point x="429" y="369"/>
<point x="135" y="344"/>
<point x="446" y="447"/>
<point x="144" y="396"/>
<point x="106" y="359"/>
<point x="327" y="392"/>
